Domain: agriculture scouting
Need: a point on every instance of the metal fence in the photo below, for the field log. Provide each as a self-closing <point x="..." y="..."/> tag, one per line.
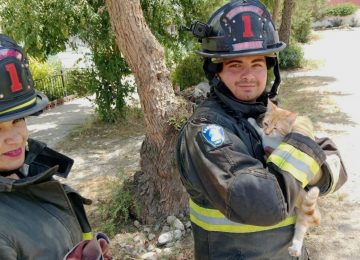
<point x="54" y="86"/>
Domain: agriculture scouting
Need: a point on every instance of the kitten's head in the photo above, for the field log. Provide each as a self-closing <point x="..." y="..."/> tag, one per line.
<point x="278" y="121"/>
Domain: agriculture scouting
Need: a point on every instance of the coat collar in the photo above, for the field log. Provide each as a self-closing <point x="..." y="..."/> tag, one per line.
<point x="240" y="108"/>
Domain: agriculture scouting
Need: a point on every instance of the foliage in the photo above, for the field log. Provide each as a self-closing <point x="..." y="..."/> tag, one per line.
<point x="301" y="28"/>
<point x="291" y="57"/>
<point x="341" y="9"/>
<point x="47" y="77"/>
<point x="175" y="16"/>
<point x="48" y="25"/>
<point x="81" y="82"/>
<point x="44" y="26"/>
<point x="188" y="72"/>
<point x="177" y="122"/>
<point x="117" y="210"/>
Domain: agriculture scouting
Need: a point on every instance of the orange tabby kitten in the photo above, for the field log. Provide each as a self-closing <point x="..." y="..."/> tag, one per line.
<point x="276" y="124"/>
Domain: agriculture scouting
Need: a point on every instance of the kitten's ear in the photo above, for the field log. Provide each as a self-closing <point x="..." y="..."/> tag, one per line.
<point x="270" y="105"/>
<point x="292" y="117"/>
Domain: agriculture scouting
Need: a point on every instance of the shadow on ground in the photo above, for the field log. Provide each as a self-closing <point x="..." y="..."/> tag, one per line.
<point x="310" y="96"/>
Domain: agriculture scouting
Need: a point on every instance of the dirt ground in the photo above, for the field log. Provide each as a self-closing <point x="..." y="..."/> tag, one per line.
<point x="328" y="93"/>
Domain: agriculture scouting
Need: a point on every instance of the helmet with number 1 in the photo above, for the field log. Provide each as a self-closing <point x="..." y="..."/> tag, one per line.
<point x="18" y="98"/>
<point x="239" y="28"/>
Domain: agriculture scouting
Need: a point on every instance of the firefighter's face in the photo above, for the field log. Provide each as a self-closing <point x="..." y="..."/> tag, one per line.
<point x="13" y="137"/>
<point x="245" y="76"/>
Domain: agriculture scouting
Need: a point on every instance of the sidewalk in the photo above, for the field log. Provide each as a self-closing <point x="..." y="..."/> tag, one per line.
<point x="54" y="124"/>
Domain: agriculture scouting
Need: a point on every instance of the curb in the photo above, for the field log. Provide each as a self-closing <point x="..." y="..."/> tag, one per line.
<point x="58" y="102"/>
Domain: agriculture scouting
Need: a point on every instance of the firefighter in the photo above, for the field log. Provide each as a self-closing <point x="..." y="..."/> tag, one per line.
<point x="241" y="205"/>
<point x="40" y="218"/>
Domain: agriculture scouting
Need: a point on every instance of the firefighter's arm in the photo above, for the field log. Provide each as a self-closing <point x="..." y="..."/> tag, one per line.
<point x="235" y="182"/>
<point x="334" y="174"/>
<point x="7" y="251"/>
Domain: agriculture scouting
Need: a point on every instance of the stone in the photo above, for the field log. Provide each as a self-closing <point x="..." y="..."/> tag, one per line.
<point x="147" y="230"/>
<point x="149" y="256"/>
<point x="169" y="237"/>
<point x="136" y="223"/>
<point x="151" y="236"/>
<point x="170" y="219"/>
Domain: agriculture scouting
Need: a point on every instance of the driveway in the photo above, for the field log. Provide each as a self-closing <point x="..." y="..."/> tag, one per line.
<point x="54" y="124"/>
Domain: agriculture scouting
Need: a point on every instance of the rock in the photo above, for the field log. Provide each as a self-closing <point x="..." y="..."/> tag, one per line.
<point x="188" y="224"/>
<point x="137" y="238"/>
<point x="165" y="229"/>
<point x="147" y="230"/>
<point x="151" y="236"/>
<point x="157" y="227"/>
<point x="167" y="251"/>
<point x="136" y="223"/>
<point x="151" y="247"/>
<point x="175" y="223"/>
<point x="169" y="237"/>
<point x="170" y="219"/>
<point x="149" y="256"/>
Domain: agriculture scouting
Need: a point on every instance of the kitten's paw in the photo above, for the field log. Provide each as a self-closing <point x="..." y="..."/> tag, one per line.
<point x="295" y="252"/>
<point x="295" y="249"/>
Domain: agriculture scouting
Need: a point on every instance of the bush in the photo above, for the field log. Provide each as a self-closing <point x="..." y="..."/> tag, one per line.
<point x="81" y="82"/>
<point x="47" y="78"/>
<point x="291" y="57"/>
<point x="341" y="10"/>
<point x="301" y="29"/>
<point x="188" y="72"/>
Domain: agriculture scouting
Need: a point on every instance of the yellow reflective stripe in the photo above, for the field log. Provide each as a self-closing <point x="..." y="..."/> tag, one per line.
<point x="209" y="220"/>
<point x="301" y="156"/>
<point x="214" y="213"/>
<point x="87" y="236"/>
<point x="284" y="165"/>
<point x="19" y="106"/>
<point x="300" y="165"/>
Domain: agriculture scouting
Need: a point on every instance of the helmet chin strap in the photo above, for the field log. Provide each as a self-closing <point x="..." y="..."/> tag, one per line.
<point x="274" y="89"/>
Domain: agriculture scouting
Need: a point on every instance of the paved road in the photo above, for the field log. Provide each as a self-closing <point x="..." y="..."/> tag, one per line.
<point x="54" y="124"/>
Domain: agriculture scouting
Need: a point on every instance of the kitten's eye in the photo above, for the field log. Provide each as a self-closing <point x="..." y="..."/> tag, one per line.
<point x="265" y="124"/>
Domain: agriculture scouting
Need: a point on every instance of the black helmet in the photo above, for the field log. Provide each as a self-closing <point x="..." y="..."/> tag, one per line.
<point x="239" y="28"/>
<point x="18" y="98"/>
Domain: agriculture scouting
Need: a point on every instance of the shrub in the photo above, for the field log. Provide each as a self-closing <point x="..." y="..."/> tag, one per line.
<point x="188" y="72"/>
<point x="47" y="77"/>
<point x="291" y="57"/>
<point x="301" y="29"/>
<point x="81" y="82"/>
<point x="341" y="10"/>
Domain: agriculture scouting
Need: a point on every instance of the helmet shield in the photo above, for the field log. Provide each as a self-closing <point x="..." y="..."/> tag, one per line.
<point x="18" y="97"/>
<point x="240" y="28"/>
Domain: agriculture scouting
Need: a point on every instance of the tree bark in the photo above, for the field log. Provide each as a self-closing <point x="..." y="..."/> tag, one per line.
<point x="285" y="27"/>
<point x="159" y="190"/>
<point x="275" y="12"/>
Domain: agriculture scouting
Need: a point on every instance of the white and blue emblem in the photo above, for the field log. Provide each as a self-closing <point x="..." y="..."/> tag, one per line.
<point x="213" y="134"/>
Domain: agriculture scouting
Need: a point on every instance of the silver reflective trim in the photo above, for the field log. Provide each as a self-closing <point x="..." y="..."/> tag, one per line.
<point x="300" y="165"/>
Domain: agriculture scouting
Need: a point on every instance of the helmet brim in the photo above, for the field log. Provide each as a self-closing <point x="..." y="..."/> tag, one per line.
<point x="241" y="54"/>
<point x="41" y="103"/>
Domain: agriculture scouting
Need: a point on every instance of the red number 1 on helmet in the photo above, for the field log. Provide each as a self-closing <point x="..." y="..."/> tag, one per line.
<point x="15" y="83"/>
<point x="248" y="33"/>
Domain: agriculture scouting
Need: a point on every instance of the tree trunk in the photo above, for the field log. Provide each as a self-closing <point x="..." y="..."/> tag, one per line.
<point x="275" y="12"/>
<point x="285" y="27"/>
<point x="159" y="190"/>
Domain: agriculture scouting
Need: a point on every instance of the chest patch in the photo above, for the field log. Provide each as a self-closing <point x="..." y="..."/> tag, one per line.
<point x="213" y="134"/>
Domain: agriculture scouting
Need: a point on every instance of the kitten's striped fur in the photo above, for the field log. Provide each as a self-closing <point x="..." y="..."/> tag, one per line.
<point x="278" y="121"/>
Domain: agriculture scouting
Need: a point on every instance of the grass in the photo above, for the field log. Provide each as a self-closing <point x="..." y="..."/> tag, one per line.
<point x="132" y="124"/>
